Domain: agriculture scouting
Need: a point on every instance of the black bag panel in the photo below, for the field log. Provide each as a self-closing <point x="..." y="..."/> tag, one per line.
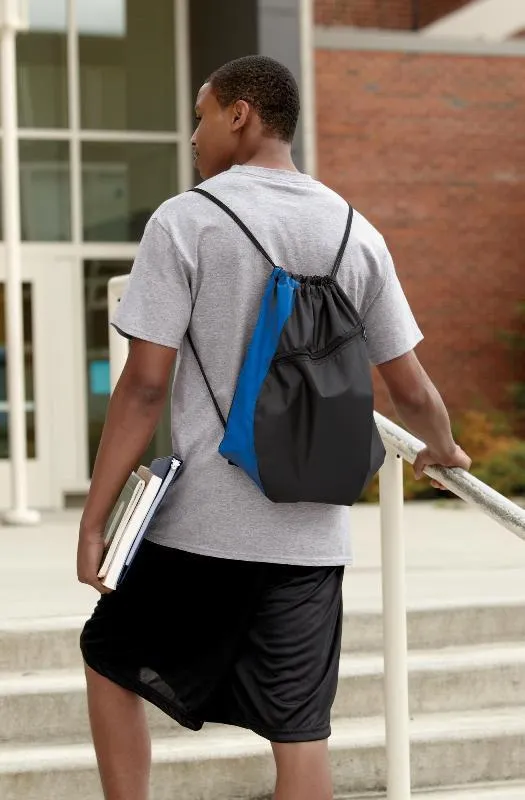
<point x="377" y="454"/>
<point x="314" y="426"/>
<point x="322" y="314"/>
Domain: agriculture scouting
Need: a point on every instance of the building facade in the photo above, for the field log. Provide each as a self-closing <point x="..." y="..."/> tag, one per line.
<point x="420" y="123"/>
<point x="105" y="95"/>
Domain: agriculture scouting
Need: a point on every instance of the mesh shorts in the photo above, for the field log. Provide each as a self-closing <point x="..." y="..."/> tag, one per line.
<point x="212" y="640"/>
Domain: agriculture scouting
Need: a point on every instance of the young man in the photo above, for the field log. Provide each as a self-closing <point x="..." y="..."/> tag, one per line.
<point x="232" y="610"/>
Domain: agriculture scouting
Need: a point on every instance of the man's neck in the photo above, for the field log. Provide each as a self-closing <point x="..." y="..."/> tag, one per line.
<point x="273" y="154"/>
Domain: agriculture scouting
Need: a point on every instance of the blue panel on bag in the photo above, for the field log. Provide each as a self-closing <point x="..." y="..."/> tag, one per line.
<point x="238" y="444"/>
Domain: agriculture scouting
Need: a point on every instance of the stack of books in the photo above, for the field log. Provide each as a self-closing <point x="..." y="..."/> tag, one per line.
<point x="132" y="513"/>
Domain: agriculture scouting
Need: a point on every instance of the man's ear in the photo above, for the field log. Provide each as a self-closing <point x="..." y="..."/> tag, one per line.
<point x="240" y="112"/>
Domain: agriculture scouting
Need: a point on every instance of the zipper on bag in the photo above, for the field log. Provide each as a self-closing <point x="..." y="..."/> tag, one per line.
<point x="327" y="351"/>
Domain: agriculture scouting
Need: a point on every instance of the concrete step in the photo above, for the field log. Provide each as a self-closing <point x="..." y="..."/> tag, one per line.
<point x="221" y="764"/>
<point x="447" y="625"/>
<point x="513" y="790"/>
<point x="52" y="643"/>
<point x="500" y="791"/>
<point x="37" y="644"/>
<point x="51" y="705"/>
<point x="448" y="679"/>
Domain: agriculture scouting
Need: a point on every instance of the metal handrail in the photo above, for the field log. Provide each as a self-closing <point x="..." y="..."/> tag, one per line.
<point x="400" y="445"/>
<point x="461" y="483"/>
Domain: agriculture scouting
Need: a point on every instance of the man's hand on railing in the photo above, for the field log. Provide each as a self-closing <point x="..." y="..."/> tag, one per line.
<point x="430" y="458"/>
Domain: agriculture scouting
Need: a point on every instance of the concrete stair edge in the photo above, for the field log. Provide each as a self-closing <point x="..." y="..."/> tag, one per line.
<point x="346" y="734"/>
<point x="28" y="644"/>
<point x="220" y="765"/>
<point x="50" y="705"/>
<point x="510" y="790"/>
<point x="351" y="665"/>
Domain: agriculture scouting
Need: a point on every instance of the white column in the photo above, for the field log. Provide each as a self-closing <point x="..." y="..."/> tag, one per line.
<point x="183" y="91"/>
<point x="309" y="122"/>
<point x="73" y="88"/>
<point x="19" y="513"/>
<point x="395" y="628"/>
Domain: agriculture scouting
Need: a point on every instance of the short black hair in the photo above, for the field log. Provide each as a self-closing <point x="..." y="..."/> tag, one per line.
<point x="266" y="85"/>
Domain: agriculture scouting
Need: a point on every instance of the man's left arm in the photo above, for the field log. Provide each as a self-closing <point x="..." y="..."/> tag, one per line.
<point x="154" y="313"/>
<point x="133" y="414"/>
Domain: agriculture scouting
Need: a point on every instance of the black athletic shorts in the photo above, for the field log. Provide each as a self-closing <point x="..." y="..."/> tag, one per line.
<point x="212" y="640"/>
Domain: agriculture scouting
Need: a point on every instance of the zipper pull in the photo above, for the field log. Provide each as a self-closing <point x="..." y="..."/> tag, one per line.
<point x="363" y="329"/>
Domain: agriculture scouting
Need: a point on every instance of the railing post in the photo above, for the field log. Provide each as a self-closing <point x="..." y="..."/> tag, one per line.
<point x="395" y="628"/>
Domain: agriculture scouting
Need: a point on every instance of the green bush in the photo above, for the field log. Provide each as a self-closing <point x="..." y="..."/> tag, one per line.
<point x="504" y="470"/>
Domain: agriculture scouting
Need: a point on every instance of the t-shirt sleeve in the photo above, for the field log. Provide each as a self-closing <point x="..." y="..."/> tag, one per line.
<point x="156" y="304"/>
<point x="390" y="326"/>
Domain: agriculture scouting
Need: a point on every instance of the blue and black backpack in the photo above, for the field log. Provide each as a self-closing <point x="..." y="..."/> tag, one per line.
<point x="301" y="424"/>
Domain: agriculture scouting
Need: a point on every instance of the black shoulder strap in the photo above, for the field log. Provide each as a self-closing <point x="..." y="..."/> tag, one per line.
<point x="206" y="381"/>
<point x="259" y="247"/>
<point x="236" y="219"/>
<point x="342" y="249"/>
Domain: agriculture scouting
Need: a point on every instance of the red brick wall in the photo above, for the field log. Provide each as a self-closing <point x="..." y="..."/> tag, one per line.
<point x="431" y="148"/>
<point x="396" y="14"/>
<point x="388" y="14"/>
<point x="432" y="10"/>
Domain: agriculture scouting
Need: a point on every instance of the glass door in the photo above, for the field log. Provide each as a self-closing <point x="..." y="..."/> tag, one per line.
<point x="27" y="305"/>
<point x="54" y="404"/>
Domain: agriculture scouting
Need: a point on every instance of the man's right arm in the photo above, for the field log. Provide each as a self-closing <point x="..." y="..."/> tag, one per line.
<point x="422" y="410"/>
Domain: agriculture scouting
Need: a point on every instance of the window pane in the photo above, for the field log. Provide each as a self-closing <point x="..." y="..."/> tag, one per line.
<point x="42" y="67"/>
<point x="28" y="358"/>
<point x="44" y="191"/>
<point x="127" y="64"/>
<point x="96" y="277"/>
<point x="122" y="185"/>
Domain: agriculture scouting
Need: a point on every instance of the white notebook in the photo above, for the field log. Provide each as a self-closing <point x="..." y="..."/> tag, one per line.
<point x="172" y="473"/>
<point x="117" y="536"/>
<point x="153" y="483"/>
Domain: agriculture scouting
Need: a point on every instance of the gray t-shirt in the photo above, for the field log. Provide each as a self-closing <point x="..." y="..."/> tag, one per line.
<point x="196" y="270"/>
